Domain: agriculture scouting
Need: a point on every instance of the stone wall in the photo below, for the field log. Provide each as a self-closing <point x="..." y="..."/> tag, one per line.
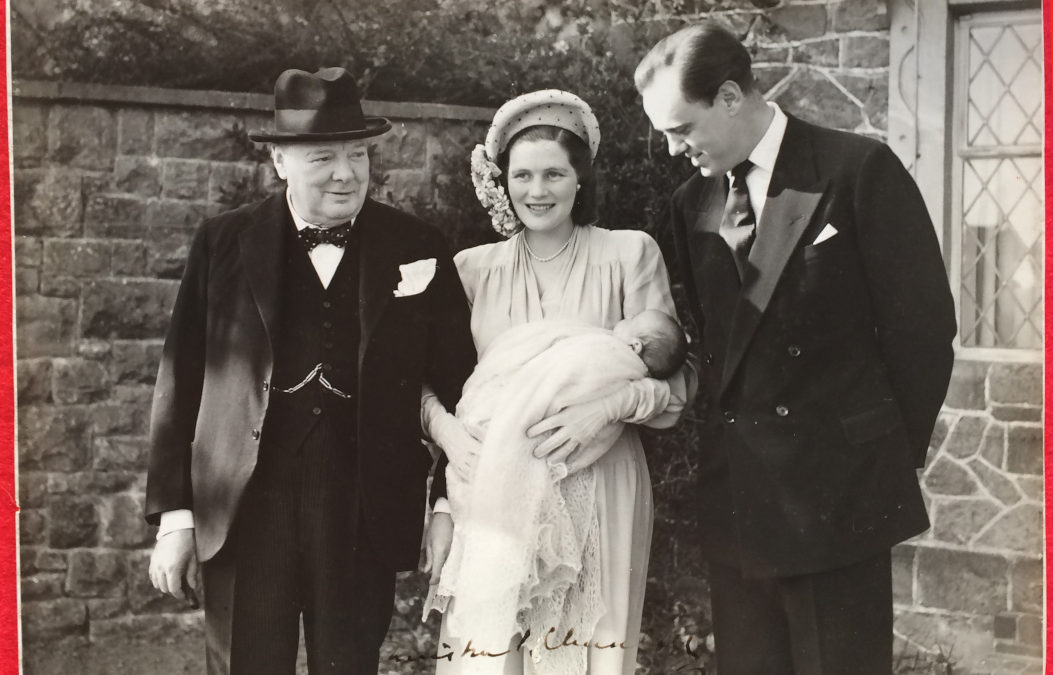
<point x="109" y="183"/>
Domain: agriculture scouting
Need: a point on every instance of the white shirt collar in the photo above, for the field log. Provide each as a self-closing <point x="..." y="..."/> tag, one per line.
<point x="766" y="151"/>
<point x="299" y="222"/>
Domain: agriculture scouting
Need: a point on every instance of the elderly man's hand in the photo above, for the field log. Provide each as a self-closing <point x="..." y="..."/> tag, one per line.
<point x="173" y="561"/>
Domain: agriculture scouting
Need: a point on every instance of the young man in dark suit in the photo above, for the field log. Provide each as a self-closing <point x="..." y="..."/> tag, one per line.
<point x="285" y="434"/>
<point x="815" y="276"/>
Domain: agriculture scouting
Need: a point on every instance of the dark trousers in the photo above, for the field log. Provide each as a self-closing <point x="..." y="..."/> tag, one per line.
<point x="837" y="622"/>
<point x="295" y="550"/>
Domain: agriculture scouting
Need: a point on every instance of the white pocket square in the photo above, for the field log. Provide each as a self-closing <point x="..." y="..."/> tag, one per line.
<point x="415" y="277"/>
<point x="827" y="232"/>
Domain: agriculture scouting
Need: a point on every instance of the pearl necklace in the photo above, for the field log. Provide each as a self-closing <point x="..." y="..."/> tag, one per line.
<point x="552" y="257"/>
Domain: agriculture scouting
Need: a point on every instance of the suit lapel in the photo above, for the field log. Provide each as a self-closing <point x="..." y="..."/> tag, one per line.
<point x="262" y="247"/>
<point x="378" y="274"/>
<point x="793" y="195"/>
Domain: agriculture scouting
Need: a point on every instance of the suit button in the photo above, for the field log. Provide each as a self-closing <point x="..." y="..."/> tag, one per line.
<point x="326" y="304"/>
<point x="328" y="345"/>
<point x="794" y="351"/>
<point x="709" y="359"/>
<point x="255" y="434"/>
<point x="317" y="410"/>
<point x="782" y="411"/>
<point x="266" y="385"/>
<point x="729" y="417"/>
<point x="327" y="324"/>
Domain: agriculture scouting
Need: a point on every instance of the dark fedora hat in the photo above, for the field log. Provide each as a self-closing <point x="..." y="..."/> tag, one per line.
<point x="321" y="106"/>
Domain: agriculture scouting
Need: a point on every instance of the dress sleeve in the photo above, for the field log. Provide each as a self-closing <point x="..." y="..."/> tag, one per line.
<point x="646" y="286"/>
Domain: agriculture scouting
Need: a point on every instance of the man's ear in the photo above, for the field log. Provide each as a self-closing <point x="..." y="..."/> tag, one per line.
<point x="730" y="96"/>
<point x="278" y="159"/>
<point x="637" y="345"/>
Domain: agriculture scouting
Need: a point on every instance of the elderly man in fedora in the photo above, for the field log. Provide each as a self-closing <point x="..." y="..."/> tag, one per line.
<point x="285" y="451"/>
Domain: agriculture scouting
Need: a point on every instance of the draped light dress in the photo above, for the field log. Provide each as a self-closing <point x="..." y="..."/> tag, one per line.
<point x="603" y="277"/>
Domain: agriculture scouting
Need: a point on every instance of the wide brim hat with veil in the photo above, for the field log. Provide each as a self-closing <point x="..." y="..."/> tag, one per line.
<point x="547" y="107"/>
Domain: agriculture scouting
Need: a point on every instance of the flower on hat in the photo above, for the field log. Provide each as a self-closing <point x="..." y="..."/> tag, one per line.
<point x="491" y="194"/>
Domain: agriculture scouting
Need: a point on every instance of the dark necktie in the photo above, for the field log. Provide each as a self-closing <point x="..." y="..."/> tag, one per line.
<point x="739" y="224"/>
<point x="312" y="236"/>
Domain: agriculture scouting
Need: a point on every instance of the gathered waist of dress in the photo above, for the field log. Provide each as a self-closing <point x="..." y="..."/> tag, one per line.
<point x="627" y="448"/>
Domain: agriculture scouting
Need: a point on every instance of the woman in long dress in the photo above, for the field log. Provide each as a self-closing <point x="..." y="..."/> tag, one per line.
<point x="535" y="176"/>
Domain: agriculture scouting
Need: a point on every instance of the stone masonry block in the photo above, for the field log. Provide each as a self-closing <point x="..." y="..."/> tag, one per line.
<point x="903" y="574"/>
<point x="53" y="438"/>
<point x="52" y="561"/>
<point x="1016" y="413"/>
<point x="78" y="381"/>
<point x="51" y="619"/>
<point x="34" y="381"/>
<point x="864" y="51"/>
<point x="1029" y="630"/>
<point x="83" y="137"/>
<point x="769" y="53"/>
<point x="29" y="251"/>
<point x="872" y="91"/>
<point x="137" y="175"/>
<point x="799" y="22"/>
<point x="32" y="526"/>
<point x="32" y="489"/>
<point x="48" y="203"/>
<point x="127" y="309"/>
<point x="178" y="628"/>
<point x="76" y="258"/>
<point x="110" y="419"/>
<point x="59" y="286"/>
<point x="849" y="15"/>
<point x="957" y="521"/>
<point x="811" y="96"/>
<point x="1005" y="627"/>
<point x="95" y="483"/>
<point x="135" y="131"/>
<point x="117" y="452"/>
<point x="129" y="259"/>
<point x="1019" y="383"/>
<point x="962" y="581"/>
<point x="95" y="574"/>
<point x="404" y="147"/>
<point x="107" y="608"/>
<point x="966" y="389"/>
<point x="1019" y="530"/>
<point x="74" y="522"/>
<point x="267" y="179"/>
<point x="992" y="447"/>
<point x="1026" y="578"/>
<point x="945" y="477"/>
<point x="201" y="136"/>
<point x="166" y="256"/>
<point x="27" y="280"/>
<point x="1003" y="489"/>
<point x="29" y="131"/>
<point x="818" y="53"/>
<point x="115" y="216"/>
<point x="172" y="214"/>
<point x="185" y="179"/>
<point x="1024" y="450"/>
<point x="403" y="188"/>
<point x="46" y="586"/>
<point x="965" y="437"/>
<point x="232" y="184"/>
<point x="136" y="361"/>
<point x="123" y="525"/>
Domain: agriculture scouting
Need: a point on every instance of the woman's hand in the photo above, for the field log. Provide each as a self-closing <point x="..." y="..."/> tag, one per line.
<point x="461" y="448"/>
<point x="437" y="545"/>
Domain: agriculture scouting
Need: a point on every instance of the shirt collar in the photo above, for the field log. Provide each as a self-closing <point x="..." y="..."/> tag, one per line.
<point x="299" y="222"/>
<point x="767" y="149"/>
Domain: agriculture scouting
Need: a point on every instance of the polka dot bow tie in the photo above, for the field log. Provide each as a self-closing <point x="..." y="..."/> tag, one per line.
<point x="313" y="236"/>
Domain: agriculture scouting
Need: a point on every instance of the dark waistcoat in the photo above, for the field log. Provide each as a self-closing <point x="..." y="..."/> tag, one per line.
<point x="319" y="326"/>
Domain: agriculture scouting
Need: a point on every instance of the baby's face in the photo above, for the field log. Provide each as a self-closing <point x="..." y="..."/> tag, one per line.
<point x="627" y="331"/>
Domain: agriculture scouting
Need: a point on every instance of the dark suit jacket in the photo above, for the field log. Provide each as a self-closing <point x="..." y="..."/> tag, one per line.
<point x="827" y="367"/>
<point x="213" y="386"/>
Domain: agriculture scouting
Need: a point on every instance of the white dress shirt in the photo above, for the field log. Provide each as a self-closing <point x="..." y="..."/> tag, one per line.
<point x="763" y="157"/>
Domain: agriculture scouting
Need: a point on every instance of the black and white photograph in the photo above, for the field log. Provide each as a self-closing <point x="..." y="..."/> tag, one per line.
<point x="529" y="337"/>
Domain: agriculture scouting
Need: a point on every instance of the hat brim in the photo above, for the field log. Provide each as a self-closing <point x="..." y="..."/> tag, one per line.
<point x="375" y="126"/>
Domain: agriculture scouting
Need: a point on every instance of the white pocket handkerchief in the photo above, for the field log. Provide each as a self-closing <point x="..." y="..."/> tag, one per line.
<point x="415" y="277"/>
<point x="827" y="232"/>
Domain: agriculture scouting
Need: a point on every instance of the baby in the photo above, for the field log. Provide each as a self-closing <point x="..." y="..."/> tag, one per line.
<point x="522" y="523"/>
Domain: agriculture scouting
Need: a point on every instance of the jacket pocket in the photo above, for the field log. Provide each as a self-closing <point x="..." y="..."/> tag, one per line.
<point x="868" y="425"/>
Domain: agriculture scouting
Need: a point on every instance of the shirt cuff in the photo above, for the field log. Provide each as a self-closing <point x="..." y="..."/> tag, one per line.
<point x="442" y="505"/>
<point x="180" y="519"/>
